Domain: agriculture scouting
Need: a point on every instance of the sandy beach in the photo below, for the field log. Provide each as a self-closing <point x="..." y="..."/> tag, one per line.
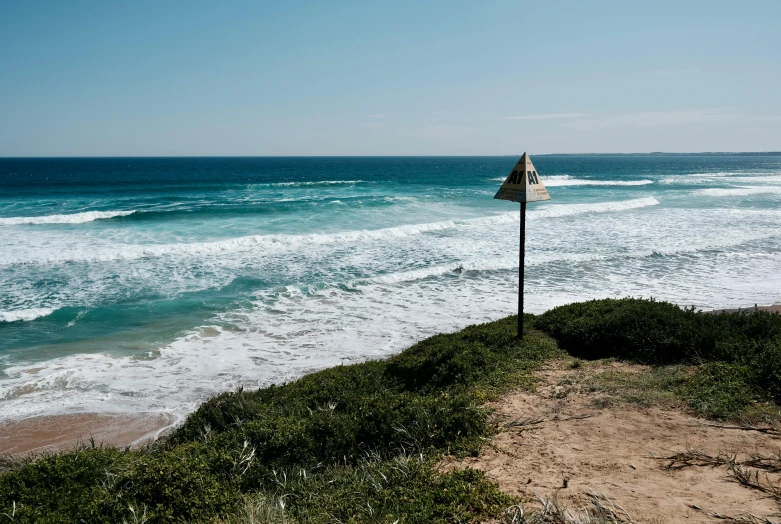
<point x="776" y="308"/>
<point x="64" y="432"/>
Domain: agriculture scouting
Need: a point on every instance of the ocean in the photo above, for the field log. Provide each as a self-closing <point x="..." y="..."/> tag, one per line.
<point x="150" y="284"/>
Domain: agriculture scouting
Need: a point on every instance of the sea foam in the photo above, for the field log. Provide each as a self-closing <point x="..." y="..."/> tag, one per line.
<point x="314" y="183"/>
<point x="281" y="241"/>
<point x="25" y="314"/>
<point x="75" y="218"/>
<point x="740" y="191"/>
<point x="566" y="180"/>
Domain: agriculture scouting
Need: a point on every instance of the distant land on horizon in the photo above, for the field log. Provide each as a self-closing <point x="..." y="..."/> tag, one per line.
<point x="653" y="153"/>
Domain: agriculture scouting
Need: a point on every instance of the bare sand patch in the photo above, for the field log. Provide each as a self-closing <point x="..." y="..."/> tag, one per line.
<point x="775" y="308"/>
<point x="63" y="432"/>
<point x="555" y="442"/>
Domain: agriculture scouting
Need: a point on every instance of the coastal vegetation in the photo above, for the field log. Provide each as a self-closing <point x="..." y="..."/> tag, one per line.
<point x="362" y="443"/>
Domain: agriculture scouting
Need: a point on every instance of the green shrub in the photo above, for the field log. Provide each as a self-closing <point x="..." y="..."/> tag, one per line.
<point x="381" y="425"/>
<point x="183" y="485"/>
<point x="762" y="359"/>
<point x="651" y="332"/>
<point x="641" y="330"/>
<point x="339" y="386"/>
<point x="404" y="489"/>
<point x="479" y="355"/>
<point x="56" y="486"/>
<point x="424" y="397"/>
<point x="720" y="390"/>
<point x="740" y="352"/>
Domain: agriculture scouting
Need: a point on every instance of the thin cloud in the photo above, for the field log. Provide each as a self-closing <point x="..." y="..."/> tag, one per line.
<point x="376" y="116"/>
<point x="548" y="116"/>
<point x="657" y="119"/>
<point x="444" y="133"/>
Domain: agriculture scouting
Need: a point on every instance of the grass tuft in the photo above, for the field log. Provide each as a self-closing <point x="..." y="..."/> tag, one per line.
<point x="601" y="510"/>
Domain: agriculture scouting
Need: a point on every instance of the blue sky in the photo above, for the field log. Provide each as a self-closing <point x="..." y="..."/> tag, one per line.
<point x="394" y="78"/>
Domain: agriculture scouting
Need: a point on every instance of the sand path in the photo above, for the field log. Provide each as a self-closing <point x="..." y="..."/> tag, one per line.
<point x="576" y="447"/>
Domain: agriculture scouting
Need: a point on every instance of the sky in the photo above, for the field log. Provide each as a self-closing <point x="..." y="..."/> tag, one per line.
<point x="393" y="78"/>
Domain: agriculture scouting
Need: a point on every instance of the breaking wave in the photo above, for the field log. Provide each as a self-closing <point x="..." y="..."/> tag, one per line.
<point x="25" y="314"/>
<point x="293" y="241"/>
<point x="316" y="183"/>
<point x="566" y="180"/>
<point x="75" y="218"/>
<point x="740" y="191"/>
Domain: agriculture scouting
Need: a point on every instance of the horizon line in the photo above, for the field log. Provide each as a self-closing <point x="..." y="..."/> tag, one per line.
<point x="59" y="157"/>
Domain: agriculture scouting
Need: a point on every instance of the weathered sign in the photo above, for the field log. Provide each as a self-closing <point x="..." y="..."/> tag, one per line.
<point x="523" y="184"/>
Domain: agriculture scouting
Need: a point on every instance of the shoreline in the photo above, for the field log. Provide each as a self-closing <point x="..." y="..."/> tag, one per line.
<point x="51" y="433"/>
<point x="775" y="308"/>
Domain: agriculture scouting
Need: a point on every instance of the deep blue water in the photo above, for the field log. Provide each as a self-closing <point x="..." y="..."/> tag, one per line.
<point x="150" y="283"/>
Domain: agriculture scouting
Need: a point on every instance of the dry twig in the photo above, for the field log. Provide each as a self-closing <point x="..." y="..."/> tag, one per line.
<point x="751" y="479"/>
<point x="525" y="423"/>
<point x="748" y="518"/>
<point x="768" y="429"/>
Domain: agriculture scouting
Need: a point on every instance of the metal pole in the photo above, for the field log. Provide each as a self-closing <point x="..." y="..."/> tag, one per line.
<point x="520" y="270"/>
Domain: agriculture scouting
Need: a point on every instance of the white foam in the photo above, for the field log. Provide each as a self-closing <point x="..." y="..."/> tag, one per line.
<point x="476" y="265"/>
<point x="437" y="270"/>
<point x="566" y="180"/>
<point x="740" y="191"/>
<point x="269" y="347"/>
<point x="75" y="218"/>
<point x="711" y="178"/>
<point x="287" y="332"/>
<point x="315" y="183"/>
<point x="25" y="314"/>
<point x="275" y="242"/>
<point x="770" y="179"/>
<point x="719" y="175"/>
<point x="552" y="211"/>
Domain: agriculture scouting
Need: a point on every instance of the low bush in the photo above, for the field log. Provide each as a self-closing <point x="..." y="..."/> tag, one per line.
<point x="640" y="330"/>
<point x="720" y="389"/>
<point x="762" y="360"/>
<point x="740" y="352"/>
<point x="55" y="486"/>
<point x="483" y="356"/>
<point x="651" y="332"/>
<point x="406" y="488"/>
<point x="188" y="484"/>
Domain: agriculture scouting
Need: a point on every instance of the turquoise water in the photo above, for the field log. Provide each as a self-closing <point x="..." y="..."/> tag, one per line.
<point x="150" y="284"/>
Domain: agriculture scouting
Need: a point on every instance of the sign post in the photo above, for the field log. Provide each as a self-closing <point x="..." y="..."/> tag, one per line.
<point x="522" y="185"/>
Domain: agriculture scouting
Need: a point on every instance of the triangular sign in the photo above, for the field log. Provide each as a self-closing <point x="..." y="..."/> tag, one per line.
<point x="523" y="184"/>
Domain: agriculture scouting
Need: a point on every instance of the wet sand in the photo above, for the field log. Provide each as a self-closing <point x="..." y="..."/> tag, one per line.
<point x="776" y="308"/>
<point x="64" y="432"/>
